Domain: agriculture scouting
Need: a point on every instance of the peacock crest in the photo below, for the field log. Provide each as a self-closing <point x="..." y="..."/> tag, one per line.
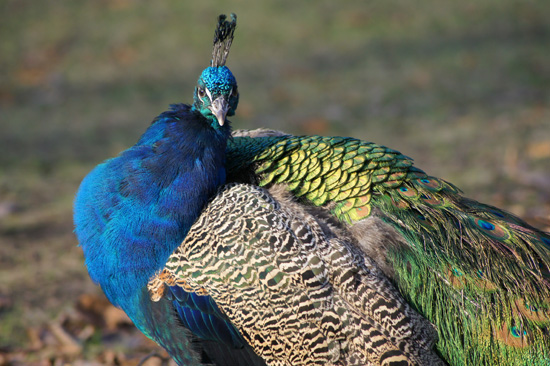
<point x="223" y="38"/>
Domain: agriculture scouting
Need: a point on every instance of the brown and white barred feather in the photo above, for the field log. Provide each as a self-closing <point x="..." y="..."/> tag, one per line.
<point x="295" y="285"/>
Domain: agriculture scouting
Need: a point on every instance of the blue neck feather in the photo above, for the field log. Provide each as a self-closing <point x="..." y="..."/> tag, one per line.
<point x="132" y="211"/>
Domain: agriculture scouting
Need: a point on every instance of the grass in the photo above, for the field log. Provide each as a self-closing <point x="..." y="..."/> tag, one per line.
<point x="464" y="88"/>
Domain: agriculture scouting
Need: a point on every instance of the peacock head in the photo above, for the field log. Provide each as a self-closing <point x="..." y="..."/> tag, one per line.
<point x="216" y="95"/>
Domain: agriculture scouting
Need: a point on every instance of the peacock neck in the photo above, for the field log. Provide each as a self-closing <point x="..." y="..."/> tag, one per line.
<point x="159" y="188"/>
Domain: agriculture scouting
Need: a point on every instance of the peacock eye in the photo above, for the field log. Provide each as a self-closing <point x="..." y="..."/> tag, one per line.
<point x="234" y="92"/>
<point x="202" y="93"/>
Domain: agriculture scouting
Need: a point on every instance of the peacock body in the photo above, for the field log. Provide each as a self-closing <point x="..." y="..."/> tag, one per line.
<point x="266" y="248"/>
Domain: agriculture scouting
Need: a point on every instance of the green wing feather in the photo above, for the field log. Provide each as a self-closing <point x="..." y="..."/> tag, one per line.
<point x="480" y="274"/>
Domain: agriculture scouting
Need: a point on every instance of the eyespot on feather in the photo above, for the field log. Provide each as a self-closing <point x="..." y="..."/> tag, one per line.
<point x="424" y="221"/>
<point x="532" y="312"/>
<point x="408" y="192"/>
<point x="431" y="199"/>
<point x="429" y="183"/>
<point x="512" y="336"/>
<point x="494" y="230"/>
<point x="456" y="278"/>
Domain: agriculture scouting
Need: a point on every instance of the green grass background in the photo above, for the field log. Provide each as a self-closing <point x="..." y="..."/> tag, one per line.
<point x="462" y="87"/>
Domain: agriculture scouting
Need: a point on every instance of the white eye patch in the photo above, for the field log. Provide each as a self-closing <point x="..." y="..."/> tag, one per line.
<point x="208" y="93"/>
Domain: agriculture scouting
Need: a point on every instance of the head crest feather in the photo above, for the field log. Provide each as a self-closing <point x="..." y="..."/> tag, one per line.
<point x="223" y="37"/>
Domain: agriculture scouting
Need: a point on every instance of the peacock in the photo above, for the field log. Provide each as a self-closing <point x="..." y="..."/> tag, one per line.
<point x="263" y="248"/>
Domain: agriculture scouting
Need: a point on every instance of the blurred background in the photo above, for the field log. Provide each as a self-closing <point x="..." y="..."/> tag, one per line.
<point x="462" y="87"/>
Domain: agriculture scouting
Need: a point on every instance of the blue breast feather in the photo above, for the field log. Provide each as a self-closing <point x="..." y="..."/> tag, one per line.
<point x="132" y="211"/>
<point x="202" y="316"/>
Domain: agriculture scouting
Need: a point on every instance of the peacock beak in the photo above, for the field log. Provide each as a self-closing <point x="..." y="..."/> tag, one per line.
<point x="219" y="109"/>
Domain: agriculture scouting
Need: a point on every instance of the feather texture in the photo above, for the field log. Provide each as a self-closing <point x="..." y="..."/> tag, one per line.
<point x="299" y="293"/>
<point x="453" y="258"/>
<point x="271" y="249"/>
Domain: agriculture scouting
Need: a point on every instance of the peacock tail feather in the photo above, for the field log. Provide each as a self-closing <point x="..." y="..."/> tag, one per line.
<point x="477" y="272"/>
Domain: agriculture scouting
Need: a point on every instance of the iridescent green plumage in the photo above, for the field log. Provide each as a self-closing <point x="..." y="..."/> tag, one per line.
<point x="342" y="171"/>
<point x="481" y="275"/>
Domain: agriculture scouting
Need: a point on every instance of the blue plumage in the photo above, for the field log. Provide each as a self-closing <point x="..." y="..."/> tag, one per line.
<point x="203" y="317"/>
<point x="148" y="197"/>
<point x="133" y="211"/>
